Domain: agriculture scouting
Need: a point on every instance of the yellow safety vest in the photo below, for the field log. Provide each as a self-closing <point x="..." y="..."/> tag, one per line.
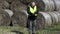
<point x="33" y="10"/>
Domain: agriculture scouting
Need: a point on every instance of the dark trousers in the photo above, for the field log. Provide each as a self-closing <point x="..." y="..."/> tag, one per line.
<point x="31" y="26"/>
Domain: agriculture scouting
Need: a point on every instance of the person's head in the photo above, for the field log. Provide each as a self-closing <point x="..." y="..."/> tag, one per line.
<point x="33" y="3"/>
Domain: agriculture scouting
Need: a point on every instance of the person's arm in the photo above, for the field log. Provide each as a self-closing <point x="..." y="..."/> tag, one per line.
<point x="36" y="13"/>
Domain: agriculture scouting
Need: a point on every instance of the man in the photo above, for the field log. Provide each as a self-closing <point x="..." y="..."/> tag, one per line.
<point x="32" y="11"/>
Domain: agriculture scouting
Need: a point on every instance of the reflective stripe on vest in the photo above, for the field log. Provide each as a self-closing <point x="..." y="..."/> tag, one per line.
<point x="33" y="10"/>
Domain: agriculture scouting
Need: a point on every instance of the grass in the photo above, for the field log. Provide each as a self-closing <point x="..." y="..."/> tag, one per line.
<point x="10" y="29"/>
<point x="54" y="29"/>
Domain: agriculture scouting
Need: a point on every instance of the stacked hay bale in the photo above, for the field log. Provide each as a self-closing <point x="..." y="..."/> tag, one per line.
<point x="57" y="5"/>
<point x="54" y="17"/>
<point x="19" y="18"/>
<point x="14" y="5"/>
<point x="17" y="6"/>
<point x="45" y="19"/>
<point x="46" y="5"/>
<point x="9" y="12"/>
<point x="4" y="18"/>
<point x="52" y="8"/>
<point x="58" y="14"/>
<point x="49" y="5"/>
<point x="4" y="4"/>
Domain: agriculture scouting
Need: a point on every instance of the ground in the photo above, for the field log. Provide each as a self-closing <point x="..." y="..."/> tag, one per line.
<point x="54" y="29"/>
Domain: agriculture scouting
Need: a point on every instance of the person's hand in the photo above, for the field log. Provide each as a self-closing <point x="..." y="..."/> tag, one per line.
<point x="36" y="14"/>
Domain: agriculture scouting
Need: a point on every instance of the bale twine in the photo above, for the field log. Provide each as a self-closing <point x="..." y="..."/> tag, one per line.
<point x="43" y="20"/>
<point x="46" y="5"/>
<point x="57" y="5"/>
<point x="4" y="18"/>
<point x="4" y="4"/>
<point x="19" y="18"/>
<point x="17" y="5"/>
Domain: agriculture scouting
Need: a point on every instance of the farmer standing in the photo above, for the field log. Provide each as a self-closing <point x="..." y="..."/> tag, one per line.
<point x="32" y="11"/>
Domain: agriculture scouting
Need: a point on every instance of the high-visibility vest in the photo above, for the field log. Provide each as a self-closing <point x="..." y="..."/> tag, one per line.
<point x="33" y="10"/>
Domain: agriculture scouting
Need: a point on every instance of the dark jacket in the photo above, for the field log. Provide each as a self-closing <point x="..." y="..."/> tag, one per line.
<point x="32" y="17"/>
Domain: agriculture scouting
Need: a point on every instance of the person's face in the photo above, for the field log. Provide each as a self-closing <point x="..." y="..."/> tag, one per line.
<point x="33" y="3"/>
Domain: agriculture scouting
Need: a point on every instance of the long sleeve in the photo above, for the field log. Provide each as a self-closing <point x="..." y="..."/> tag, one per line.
<point x="37" y="11"/>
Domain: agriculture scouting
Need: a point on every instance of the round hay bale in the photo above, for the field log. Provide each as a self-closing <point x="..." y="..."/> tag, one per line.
<point x="4" y="18"/>
<point x="46" y="5"/>
<point x="27" y="1"/>
<point x="4" y="4"/>
<point x="19" y="18"/>
<point x="58" y="14"/>
<point x="9" y="12"/>
<point x="52" y="6"/>
<point x="57" y="5"/>
<point x="43" y="20"/>
<point x="17" y="6"/>
<point x="54" y="17"/>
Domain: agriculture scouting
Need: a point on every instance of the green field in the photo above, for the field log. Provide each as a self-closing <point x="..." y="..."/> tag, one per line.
<point x="54" y="29"/>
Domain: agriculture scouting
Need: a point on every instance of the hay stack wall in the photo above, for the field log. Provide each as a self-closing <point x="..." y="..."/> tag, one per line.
<point x="45" y="19"/>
